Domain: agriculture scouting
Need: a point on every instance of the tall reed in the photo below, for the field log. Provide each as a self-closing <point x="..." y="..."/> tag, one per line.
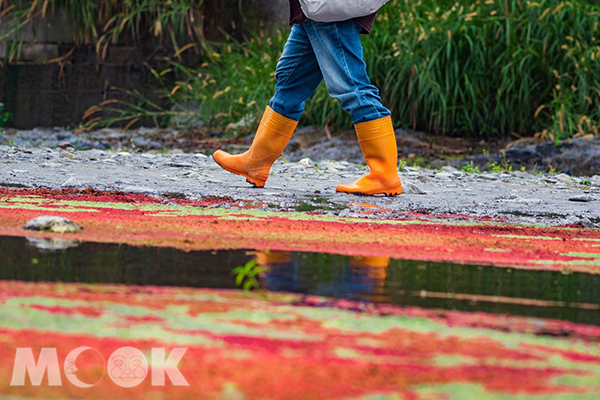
<point x="469" y="67"/>
<point x="102" y="22"/>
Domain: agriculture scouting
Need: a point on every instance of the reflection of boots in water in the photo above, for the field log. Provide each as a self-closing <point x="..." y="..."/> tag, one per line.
<point x="266" y="258"/>
<point x="270" y="262"/>
<point x="376" y="269"/>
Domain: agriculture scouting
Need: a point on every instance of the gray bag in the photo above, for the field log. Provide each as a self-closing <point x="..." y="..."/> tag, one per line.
<point x="339" y="10"/>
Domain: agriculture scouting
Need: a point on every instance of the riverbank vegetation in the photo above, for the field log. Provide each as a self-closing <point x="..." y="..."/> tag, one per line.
<point x="490" y="68"/>
<point x="100" y="22"/>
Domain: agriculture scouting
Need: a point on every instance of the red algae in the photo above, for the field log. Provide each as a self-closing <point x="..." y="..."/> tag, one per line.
<point x="282" y="346"/>
<point x="134" y="219"/>
<point x="290" y="347"/>
<point x="59" y="310"/>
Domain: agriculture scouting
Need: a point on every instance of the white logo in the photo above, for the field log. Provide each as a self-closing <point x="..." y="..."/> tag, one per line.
<point x="71" y="370"/>
<point x="127" y="367"/>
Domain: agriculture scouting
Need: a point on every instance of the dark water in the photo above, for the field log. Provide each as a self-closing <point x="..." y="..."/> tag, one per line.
<point x="574" y="297"/>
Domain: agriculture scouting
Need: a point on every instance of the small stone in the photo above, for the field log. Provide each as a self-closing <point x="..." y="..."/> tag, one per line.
<point x="66" y="145"/>
<point x="564" y="178"/>
<point x="71" y="182"/>
<point x="491" y="176"/>
<point x="411" y="188"/>
<point x="444" y="176"/>
<point x="449" y="168"/>
<point x="583" y="198"/>
<point x="52" y="224"/>
<point x="93" y="154"/>
<point x="180" y="165"/>
<point x="139" y="190"/>
<point x="411" y="169"/>
<point x="140" y="141"/>
<point x="190" y="174"/>
<point x="50" y="164"/>
<point x="306" y="162"/>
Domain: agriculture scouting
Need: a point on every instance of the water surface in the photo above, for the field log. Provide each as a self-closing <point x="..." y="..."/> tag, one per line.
<point x="547" y="294"/>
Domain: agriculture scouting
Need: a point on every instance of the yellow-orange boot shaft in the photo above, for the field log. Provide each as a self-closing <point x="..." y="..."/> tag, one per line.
<point x="273" y="134"/>
<point x="378" y="143"/>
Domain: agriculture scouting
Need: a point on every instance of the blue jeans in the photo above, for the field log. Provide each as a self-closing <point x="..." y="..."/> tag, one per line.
<point x="331" y="51"/>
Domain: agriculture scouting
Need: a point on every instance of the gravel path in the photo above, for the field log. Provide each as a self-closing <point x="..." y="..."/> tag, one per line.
<point x="515" y="197"/>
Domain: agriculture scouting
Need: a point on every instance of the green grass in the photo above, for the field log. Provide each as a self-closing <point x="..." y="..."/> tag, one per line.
<point x="102" y="22"/>
<point x="5" y="116"/>
<point x="470" y="169"/>
<point x="475" y="67"/>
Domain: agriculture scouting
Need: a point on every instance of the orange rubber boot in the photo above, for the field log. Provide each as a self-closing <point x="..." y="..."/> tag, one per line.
<point x="378" y="143"/>
<point x="273" y="134"/>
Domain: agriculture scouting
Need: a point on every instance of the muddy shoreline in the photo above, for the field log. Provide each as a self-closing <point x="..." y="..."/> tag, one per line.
<point x="308" y="185"/>
<point x="577" y="157"/>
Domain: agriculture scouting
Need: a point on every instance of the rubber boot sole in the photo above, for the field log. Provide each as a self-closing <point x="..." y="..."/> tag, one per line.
<point x="388" y="193"/>
<point x="250" y="180"/>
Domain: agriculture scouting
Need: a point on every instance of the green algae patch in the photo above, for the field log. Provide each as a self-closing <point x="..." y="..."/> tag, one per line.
<point x="528" y="237"/>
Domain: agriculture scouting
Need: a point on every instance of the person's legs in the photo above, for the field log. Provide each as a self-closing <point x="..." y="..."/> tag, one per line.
<point x="339" y="52"/>
<point x="298" y="75"/>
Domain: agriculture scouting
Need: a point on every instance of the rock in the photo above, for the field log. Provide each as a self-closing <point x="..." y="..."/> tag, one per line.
<point x="190" y="174"/>
<point x="306" y="162"/>
<point x="94" y="154"/>
<point x="139" y="190"/>
<point x="493" y="176"/>
<point x="66" y="146"/>
<point x="579" y="156"/>
<point x="449" y="168"/>
<point x="71" y="182"/>
<point x="564" y="178"/>
<point x="52" y="224"/>
<point x="245" y="122"/>
<point x="139" y="141"/>
<point x="520" y="155"/>
<point x="411" y="188"/>
<point x="180" y="165"/>
<point x="586" y="198"/>
<point x="412" y="169"/>
<point x="50" y="164"/>
<point x="444" y="176"/>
